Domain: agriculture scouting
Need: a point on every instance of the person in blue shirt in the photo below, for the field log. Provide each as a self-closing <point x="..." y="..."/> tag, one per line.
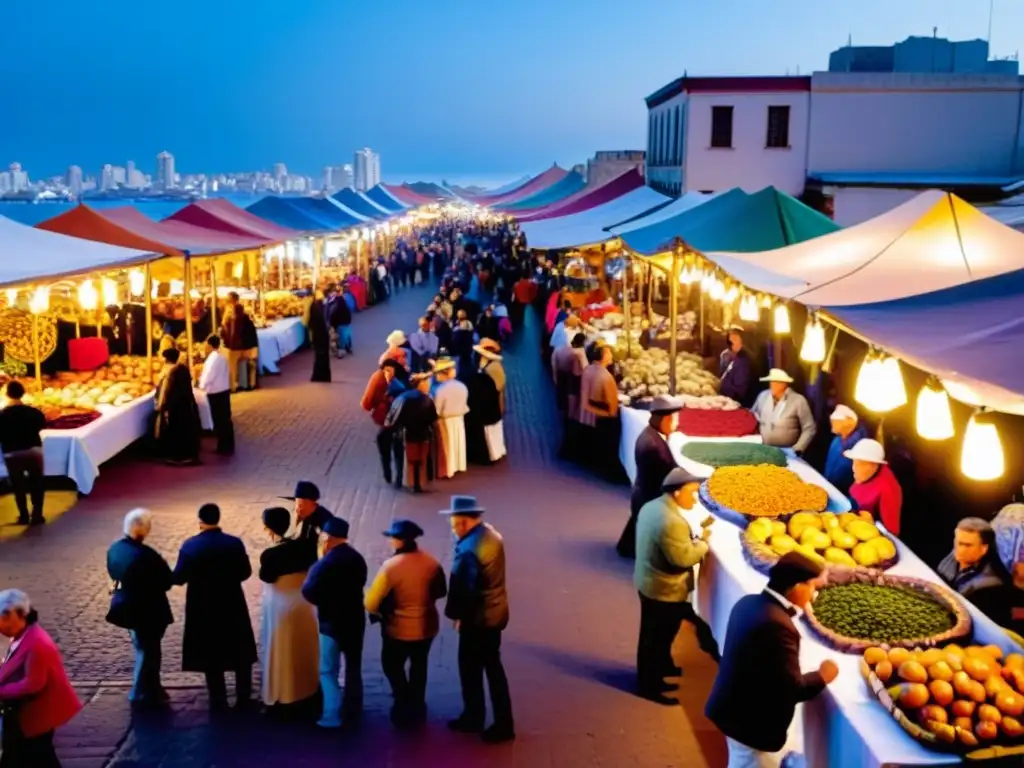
<point x="848" y="432"/>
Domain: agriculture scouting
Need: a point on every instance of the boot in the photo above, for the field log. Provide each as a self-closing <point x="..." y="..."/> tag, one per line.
<point x="416" y="487"/>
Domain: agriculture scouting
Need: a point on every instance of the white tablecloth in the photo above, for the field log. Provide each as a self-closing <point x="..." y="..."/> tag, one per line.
<point x="278" y="340"/>
<point x="78" y="453"/>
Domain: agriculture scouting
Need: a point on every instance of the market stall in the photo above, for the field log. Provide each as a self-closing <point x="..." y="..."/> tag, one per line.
<point x="278" y="340"/>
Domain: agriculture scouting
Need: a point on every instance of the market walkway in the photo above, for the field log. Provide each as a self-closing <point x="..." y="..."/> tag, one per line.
<point x="569" y="649"/>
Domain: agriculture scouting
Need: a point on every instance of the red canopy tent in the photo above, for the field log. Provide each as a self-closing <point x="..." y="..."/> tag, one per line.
<point x="89" y="224"/>
<point x="225" y="216"/>
<point x="198" y="241"/>
<point x="617" y="187"/>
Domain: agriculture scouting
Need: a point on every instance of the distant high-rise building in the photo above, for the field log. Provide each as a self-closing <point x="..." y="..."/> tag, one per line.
<point x="366" y="168"/>
<point x="337" y="177"/>
<point x="134" y="178"/>
<point x="19" y="178"/>
<point x="280" y="175"/>
<point x="107" y="177"/>
<point x="165" y="170"/>
<point x="5" y="182"/>
<point x="73" y="180"/>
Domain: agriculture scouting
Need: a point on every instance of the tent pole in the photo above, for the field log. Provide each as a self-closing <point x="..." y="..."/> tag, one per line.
<point x="188" y="311"/>
<point x="149" y="322"/>
<point x="213" y="289"/>
<point x="627" y="315"/>
<point x="673" y="309"/>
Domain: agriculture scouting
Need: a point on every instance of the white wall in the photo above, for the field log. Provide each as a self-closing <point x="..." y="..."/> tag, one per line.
<point x="904" y="123"/>
<point x="852" y="205"/>
<point x="749" y="164"/>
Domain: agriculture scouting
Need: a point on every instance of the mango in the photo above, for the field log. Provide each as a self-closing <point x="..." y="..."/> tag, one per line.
<point x="838" y="556"/>
<point x="884" y="547"/>
<point x="865" y="555"/>
<point x="809" y="553"/>
<point x="829" y="520"/>
<point x="781" y="543"/>
<point x="778" y="527"/>
<point x="842" y="539"/>
<point x="846" y="518"/>
<point x="815" y="539"/>
<point x="863" y="530"/>
<point x="760" y="530"/>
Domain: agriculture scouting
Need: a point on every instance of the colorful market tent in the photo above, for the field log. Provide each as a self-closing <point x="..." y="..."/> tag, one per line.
<point x="225" y="216"/>
<point x="348" y="211"/>
<point x="281" y="212"/>
<point x="467" y="194"/>
<point x="380" y="195"/>
<point x="734" y="221"/>
<point x="431" y="190"/>
<point x="584" y="191"/>
<point x="353" y="200"/>
<point x="617" y="187"/>
<point x="325" y="211"/>
<point x="197" y="241"/>
<point x="89" y="224"/>
<point x="407" y="196"/>
<point x="684" y="203"/>
<point x="589" y="227"/>
<point x="1009" y="212"/>
<point x="561" y="189"/>
<point x="541" y="181"/>
<point x="28" y="254"/>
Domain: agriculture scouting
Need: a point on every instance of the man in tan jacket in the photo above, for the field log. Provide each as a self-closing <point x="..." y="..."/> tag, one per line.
<point x="599" y="406"/>
<point x="666" y="554"/>
<point x="402" y="598"/>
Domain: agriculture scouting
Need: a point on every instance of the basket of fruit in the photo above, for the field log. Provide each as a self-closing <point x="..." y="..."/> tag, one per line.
<point x="954" y="699"/>
<point x="827" y="538"/>
<point x="857" y="608"/>
<point x="744" y="493"/>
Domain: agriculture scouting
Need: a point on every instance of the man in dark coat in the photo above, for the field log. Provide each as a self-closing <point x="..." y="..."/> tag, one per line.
<point x="759" y="680"/>
<point x="654" y="460"/>
<point x="478" y="604"/>
<point x="311" y="516"/>
<point x="218" y="634"/>
<point x="414" y="414"/>
<point x="335" y="586"/>
<point x="737" y="370"/>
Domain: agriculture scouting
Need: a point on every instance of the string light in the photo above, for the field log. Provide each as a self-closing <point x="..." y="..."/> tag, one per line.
<point x="749" y="311"/>
<point x="880" y="386"/>
<point x="717" y="290"/>
<point x="812" y="350"/>
<point x="137" y="282"/>
<point x="12" y="296"/>
<point x="982" y="456"/>
<point x="109" y="292"/>
<point x="732" y="294"/>
<point x="766" y="302"/>
<point x="934" y="418"/>
<point x="177" y="287"/>
<point x="88" y="299"/>
<point x="782" y="326"/>
<point x="40" y="301"/>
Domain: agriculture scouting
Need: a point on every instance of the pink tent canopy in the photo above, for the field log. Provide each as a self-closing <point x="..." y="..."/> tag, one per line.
<point x="225" y="216"/>
<point x="180" y="234"/>
<point x="617" y="187"/>
<point x="552" y="175"/>
<point x="408" y="196"/>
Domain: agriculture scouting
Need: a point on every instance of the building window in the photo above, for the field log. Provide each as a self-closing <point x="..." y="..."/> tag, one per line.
<point x="676" y="158"/>
<point x="721" y="127"/>
<point x="778" y="128"/>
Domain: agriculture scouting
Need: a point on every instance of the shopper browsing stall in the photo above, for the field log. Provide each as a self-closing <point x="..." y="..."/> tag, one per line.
<point x="22" y="446"/>
<point x="599" y="398"/>
<point x="847" y="433"/>
<point x="875" y="491"/>
<point x="784" y="415"/>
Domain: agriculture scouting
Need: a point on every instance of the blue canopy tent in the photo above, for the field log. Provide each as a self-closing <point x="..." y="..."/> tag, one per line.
<point x="281" y="212"/>
<point x="356" y="202"/>
<point x="384" y="199"/>
<point x="323" y="210"/>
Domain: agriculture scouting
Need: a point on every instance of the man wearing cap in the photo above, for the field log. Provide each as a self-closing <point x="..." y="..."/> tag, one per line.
<point x="654" y="460"/>
<point x="784" y="415"/>
<point x="848" y="432"/>
<point x="413" y="415"/>
<point x="759" y="680"/>
<point x="311" y="516"/>
<point x="736" y="369"/>
<point x="478" y="604"/>
<point x="403" y="595"/>
<point x="451" y="399"/>
<point x="218" y="637"/>
<point x="875" y="492"/>
<point x="666" y="554"/>
<point x="335" y="586"/>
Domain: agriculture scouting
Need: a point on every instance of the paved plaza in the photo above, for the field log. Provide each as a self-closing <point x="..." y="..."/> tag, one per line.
<point x="569" y="649"/>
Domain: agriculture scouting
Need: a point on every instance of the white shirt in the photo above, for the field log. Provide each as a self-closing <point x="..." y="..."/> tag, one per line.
<point x="215" y="379"/>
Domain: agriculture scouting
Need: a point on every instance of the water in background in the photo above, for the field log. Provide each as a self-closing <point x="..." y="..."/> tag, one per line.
<point x="33" y="213"/>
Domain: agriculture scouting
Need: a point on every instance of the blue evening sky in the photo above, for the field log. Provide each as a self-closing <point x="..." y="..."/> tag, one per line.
<point x="487" y="90"/>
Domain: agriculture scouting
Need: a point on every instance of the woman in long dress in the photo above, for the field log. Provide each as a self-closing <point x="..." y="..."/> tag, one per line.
<point x="320" y="340"/>
<point x="177" y="428"/>
<point x="451" y="398"/>
<point x="290" y="634"/>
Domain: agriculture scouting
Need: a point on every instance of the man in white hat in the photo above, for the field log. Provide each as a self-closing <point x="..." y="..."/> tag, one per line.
<point x="784" y="415"/>
<point x="848" y="432"/>
<point x="451" y="398"/>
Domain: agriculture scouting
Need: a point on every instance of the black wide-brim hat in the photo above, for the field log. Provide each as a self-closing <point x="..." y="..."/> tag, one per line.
<point x="304" y="489"/>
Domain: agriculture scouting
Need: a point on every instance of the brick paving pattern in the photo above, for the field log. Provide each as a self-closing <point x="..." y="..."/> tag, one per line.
<point x="569" y="649"/>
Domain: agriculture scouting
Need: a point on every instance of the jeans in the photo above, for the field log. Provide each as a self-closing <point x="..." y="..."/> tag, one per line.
<point x="391" y="447"/>
<point x="331" y="651"/>
<point x="223" y="428"/>
<point x="344" y="338"/>
<point x="480" y="655"/>
<point x="25" y="471"/>
<point x="18" y="751"/>
<point x="146" y="684"/>
<point x="219" y="692"/>
<point x="410" y="690"/>
<point x="659" y="625"/>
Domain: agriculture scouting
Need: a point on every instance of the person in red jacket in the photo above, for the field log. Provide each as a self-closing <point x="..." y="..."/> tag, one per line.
<point x="34" y="687"/>
<point x="384" y="385"/>
<point x="875" y="491"/>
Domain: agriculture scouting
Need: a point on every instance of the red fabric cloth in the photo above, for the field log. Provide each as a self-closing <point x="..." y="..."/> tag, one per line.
<point x="87" y="354"/>
<point x="699" y="423"/>
<point x="593" y="312"/>
<point x="552" y="311"/>
<point x="525" y="291"/>
<point x="882" y="497"/>
<point x="357" y="287"/>
<point x="34" y="679"/>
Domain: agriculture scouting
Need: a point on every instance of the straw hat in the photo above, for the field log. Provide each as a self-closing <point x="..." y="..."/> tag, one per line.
<point x="444" y="364"/>
<point x="777" y="374"/>
<point x="488" y="348"/>
<point x="867" y="450"/>
<point x="396" y="339"/>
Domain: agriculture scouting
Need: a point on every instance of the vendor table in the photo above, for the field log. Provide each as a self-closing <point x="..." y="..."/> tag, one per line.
<point x="78" y="453"/>
<point x="845" y="727"/>
<point x="278" y="340"/>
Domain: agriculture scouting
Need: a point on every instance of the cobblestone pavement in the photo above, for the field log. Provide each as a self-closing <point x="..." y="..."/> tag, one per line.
<point x="569" y="649"/>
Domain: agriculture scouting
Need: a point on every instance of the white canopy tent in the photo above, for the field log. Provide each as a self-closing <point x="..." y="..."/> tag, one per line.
<point x="684" y="203"/>
<point x="1009" y="212"/>
<point x="31" y="255"/>
<point x="588" y="227"/>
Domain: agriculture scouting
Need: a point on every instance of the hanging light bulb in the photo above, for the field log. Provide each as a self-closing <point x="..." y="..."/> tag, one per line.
<point x="732" y="294"/>
<point x="880" y="386"/>
<point x="177" y="287"/>
<point x="12" y="296"/>
<point x="717" y="290"/>
<point x="812" y="350"/>
<point x="981" y="457"/>
<point x="137" y="282"/>
<point x="766" y="302"/>
<point x="366" y="233"/>
<point x="749" y="311"/>
<point x="706" y="282"/>
<point x="154" y="292"/>
<point x="40" y="301"/>
<point x="88" y="299"/>
<point x="109" y="292"/>
<point x="782" y="320"/>
<point x="934" y="419"/>
<point x="894" y="391"/>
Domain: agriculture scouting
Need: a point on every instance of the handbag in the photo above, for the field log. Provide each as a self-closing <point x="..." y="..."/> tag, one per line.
<point x="119" y="612"/>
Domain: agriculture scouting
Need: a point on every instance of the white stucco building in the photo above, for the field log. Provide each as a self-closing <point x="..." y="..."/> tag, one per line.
<point x="855" y="144"/>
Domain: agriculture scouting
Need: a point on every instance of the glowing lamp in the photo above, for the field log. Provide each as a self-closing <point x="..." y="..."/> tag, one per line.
<point x="749" y="311"/>
<point x="934" y="419"/>
<point x="766" y="302"/>
<point x="177" y="287"/>
<point x="155" y="290"/>
<point x="137" y="282"/>
<point x="40" y="301"/>
<point x="717" y="290"/>
<point x="732" y="294"/>
<point x="109" y="292"/>
<point x="12" y="296"/>
<point x="366" y="234"/>
<point x="982" y="454"/>
<point x="88" y="299"/>
<point x="782" y="326"/>
<point x="706" y="282"/>
<point x="812" y="350"/>
<point x="880" y="386"/>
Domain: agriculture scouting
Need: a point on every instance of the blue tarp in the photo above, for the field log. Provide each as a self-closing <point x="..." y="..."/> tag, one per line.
<point x="279" y="211"/>
<point x="383" y="198"/>
<point x="323" y="210"/>
<point x="352" y="200"/>
<point x="975" y="330"/>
